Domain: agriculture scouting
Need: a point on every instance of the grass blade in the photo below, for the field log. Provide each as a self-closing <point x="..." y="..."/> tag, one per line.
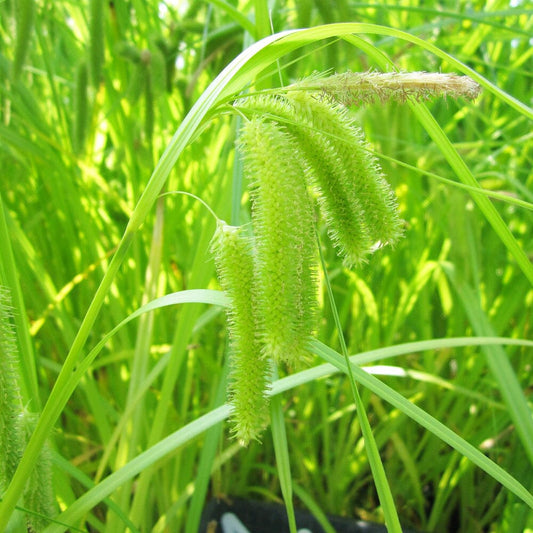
<point x="427" y="421"/>
<point x="499" y="364"/>
<point x="378" y="471"/>
<point x="9" y="278"/>
<point x="283" y="465"/>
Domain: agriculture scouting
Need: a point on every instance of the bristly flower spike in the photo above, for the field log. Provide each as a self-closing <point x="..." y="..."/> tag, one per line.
<point x="11" y="436"/>
<point x="357" y="183"/>
<point x="16" y="426"/>
<point x="286" y="250"/>
<point x="355" y="88"/>
<point x="357" y="203"/>
<point x="249" y="374"/>
<point x="303" y="142"/>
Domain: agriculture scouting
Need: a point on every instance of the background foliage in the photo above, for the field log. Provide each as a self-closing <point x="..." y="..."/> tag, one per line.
<point x="92" y="94"/>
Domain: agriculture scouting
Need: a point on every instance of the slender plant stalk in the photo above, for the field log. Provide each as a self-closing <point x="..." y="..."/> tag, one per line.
<point x="380" y="478"/>
<point x="281" y="450"/>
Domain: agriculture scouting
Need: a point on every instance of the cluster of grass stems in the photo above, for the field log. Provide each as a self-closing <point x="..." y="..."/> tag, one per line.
<point x="416" y="404"/>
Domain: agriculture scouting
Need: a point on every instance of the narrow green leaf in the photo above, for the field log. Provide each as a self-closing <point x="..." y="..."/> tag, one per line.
<point x="281" y="449"/>
<point x="24" y="17"/>
<point x="499" y="364"/>
<point x="182" y="436"/>
<point x="427" y="421"/>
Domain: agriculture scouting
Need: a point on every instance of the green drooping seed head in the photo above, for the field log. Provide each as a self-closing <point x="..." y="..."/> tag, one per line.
<point x="325" y="172"/>
<point x="11" y="438"/>
<point x="249" y="382"/>
<point x="286" y="252"/>
<point x="359" y="204"/>
<point x="16" y="426"/>
<point x="39" y="493"/>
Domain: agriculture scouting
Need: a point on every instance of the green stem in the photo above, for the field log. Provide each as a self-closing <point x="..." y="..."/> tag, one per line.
<point x="378" y="471"/>
<point x="281" y="450"/>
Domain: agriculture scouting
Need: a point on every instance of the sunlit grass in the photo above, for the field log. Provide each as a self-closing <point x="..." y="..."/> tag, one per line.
<point x="137" y="416"/>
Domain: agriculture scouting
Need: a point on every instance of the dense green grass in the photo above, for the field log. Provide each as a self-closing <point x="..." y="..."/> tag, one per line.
<point x="104" y="107"/>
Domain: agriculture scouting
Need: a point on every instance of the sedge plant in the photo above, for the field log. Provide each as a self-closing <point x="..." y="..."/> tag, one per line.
<point x="273" y="296"/>
<point x="167" y="399"/>
<point x="293" y="145"/>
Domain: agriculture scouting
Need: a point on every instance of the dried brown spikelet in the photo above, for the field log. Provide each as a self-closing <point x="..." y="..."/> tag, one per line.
<point x="354" y="88"/>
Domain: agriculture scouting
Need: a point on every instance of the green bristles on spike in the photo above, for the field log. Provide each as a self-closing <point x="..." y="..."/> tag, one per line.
<point x="359" y="182"/>
<point x="16" y="426"/>
<point x="249" y="369"/>
<point x="39" y="493"/>
<point x="326" y="174"/>
<point x="11" y="437"/>
<point x="357" y="203"/>
<point x="286" y="256"/>
<point x="297" y="142"/>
